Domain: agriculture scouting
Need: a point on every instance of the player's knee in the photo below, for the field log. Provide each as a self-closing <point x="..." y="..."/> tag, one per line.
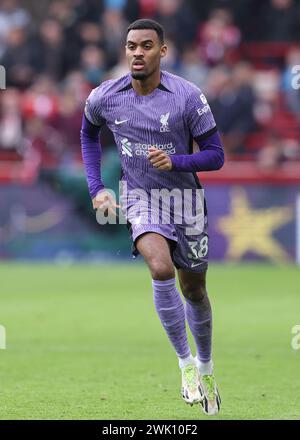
<point x="161" y="270"/>
<point x="194" y="293"/>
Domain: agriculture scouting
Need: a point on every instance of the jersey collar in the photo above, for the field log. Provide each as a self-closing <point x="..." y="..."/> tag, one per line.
<point x="161" y="86"/>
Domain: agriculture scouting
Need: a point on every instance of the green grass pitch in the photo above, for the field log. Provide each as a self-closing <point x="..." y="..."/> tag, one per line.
<point x="84" y="342"/>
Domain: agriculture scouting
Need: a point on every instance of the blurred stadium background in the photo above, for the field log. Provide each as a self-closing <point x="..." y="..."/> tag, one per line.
<point x="241" y="54"/>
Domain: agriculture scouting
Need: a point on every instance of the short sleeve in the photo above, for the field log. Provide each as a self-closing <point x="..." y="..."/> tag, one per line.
<point x="93" y="108"/>
<point x="199" y="116"/>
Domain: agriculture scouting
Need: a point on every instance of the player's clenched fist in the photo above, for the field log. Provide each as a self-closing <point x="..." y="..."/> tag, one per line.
<point x="159" y="159"/>
<point x="106" y="202"/>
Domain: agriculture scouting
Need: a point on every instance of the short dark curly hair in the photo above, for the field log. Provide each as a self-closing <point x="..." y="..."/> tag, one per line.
<point x="146" y="23"/>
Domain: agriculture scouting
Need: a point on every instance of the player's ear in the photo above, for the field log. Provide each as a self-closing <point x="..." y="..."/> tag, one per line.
<point x="163" y="50"/>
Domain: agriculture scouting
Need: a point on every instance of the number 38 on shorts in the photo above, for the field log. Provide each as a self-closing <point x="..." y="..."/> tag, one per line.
<point x="198" y="249"/>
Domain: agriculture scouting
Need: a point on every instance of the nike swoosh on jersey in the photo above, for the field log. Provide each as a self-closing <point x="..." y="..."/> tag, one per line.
<point x="120" y="122"/>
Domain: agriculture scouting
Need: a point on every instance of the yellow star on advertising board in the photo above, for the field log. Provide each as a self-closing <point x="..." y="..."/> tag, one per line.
<point x="248" y="229"/>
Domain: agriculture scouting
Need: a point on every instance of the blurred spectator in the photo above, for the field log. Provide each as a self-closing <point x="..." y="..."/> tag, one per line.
<point x="276" y="151"/>
<point x="93" y="64"/>
<point x="91" y="33"/>
<point x="45" y="140"/>
<point x="114" y="26"/>
<point x="83" y="10"/>
<point x="193" y="68"/>
<point x="178" y="21"/>
<point x="12" y="16"/>
<point x="232" y="101"/>
<point x="217" y="36"/>
<point x="120" y="69"/>
<point x="49" y="50"/>
<point x="41" y="99"/>
<point x="266" y="88"/>
<point x="147" y="8"/>
<point x="77" y="38"/>
<point x="67" y="120"/>
<point x="171" y="61"/>
<point x="270" y="156"/>
<point x="18" y="59"/>
<point x="74" y="83"/>
<point x="279" y="21"/>
<point x="68" y="124"/>
<point x="64" y="12"/>
<point x="244" y="13"/>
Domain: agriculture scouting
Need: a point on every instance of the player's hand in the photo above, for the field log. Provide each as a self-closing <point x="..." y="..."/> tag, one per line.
<point x="106" y="202"/>
<point x="159" y="159"/>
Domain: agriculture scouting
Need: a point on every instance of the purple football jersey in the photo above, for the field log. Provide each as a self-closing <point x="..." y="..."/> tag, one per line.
<point x="168" y="118"/>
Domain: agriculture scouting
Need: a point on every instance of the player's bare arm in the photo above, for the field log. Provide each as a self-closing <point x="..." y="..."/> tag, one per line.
<point x="106" y="202"/>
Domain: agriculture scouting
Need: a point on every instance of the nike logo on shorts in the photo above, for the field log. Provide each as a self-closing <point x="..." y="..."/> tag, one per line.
<point x="195" y="264"/>
<point x="120" y="122"/>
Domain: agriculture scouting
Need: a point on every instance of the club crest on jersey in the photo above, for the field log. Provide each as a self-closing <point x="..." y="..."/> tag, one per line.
<point x="126" y="147"/>
<point x="164" y="122"/>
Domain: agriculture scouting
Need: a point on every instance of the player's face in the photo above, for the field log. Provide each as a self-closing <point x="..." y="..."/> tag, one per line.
<point x="143" y="52"/>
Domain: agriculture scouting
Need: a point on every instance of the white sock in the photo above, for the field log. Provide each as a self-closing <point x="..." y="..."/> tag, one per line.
<point x="186" y="361"/>
<point x="205" y="367"/>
